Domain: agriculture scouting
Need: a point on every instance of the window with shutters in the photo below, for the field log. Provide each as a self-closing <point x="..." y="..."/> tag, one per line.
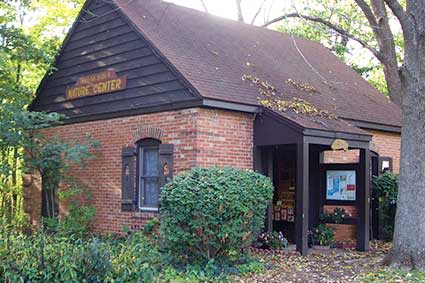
<point x="149" y="175"/>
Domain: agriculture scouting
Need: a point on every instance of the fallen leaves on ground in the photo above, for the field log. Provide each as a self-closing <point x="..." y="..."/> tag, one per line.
<point x="335" y="265"/>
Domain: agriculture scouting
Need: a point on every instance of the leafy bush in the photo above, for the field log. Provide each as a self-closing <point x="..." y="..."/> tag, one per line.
<point x="213" y="213"/>
<point x="151" y="227"/>
<point x="46" y="258"/>
<point x="53" y="258"/>
<point x="76" y="223"/>
<point x="322" y="236"/>
<point x="386" y="191"/>
<point x="135" y="260"/>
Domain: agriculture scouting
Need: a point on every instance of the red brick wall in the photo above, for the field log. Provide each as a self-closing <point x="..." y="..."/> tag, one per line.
<point x="350" y="156"/>
<point x="202" y="137"/>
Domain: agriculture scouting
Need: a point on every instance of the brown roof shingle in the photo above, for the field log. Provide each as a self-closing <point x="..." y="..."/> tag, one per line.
<point x="213" y="54"/>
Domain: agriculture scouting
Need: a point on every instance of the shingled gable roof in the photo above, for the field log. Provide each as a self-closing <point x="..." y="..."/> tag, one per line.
<point x="213" y="54"/>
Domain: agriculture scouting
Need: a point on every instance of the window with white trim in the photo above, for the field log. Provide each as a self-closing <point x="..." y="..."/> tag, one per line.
<point x="148" y="161"/>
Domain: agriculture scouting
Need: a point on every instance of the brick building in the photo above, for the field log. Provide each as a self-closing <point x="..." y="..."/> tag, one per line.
<point x="166" y="88"/>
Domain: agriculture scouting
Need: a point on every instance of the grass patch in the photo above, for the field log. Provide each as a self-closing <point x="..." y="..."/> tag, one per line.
<point x="387" y="275"/>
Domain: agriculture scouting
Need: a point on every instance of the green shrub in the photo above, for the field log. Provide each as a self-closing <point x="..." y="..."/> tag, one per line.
<point x="151" y="227"/>
<point x="135" y="260"/>
<point x="337" y="216"/>
<point x="386" y="191"/>
<point x="53" y="258"/>
<point x="322" y="236"/>
<point x="76" y="223"/>
<point x="213" y="213"/>
<point x="46" y="257"/>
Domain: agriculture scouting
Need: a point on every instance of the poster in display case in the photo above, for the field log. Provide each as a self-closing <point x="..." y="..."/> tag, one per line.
<point x="341" y="185"/>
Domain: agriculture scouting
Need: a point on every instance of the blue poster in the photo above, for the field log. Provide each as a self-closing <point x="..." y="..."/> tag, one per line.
<point x="341" y="185"/>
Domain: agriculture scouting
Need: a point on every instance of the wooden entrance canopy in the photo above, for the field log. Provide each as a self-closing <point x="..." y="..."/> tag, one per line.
<point x="272" y="130"/>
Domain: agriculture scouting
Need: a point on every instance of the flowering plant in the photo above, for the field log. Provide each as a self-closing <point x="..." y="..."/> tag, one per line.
<point x="322" y="236"/>
<point x="336" y="217"/>
<point x="271" y="240"/>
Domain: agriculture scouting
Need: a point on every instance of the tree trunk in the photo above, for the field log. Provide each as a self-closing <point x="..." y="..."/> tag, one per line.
<point x="408" y="247"/>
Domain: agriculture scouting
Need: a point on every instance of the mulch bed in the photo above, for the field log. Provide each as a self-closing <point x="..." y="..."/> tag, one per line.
<point x="334" y="265"/>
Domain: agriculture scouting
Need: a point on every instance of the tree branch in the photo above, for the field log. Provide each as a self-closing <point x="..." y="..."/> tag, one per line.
<point x="397" y="9"/>
<point x="405" y="21"/>
<point x="330" y="25"/>
<point x="204" y="5"/>
<point x="367" y="11"/>
<point x="258" y="12"/>
<point x="239" y="7"/>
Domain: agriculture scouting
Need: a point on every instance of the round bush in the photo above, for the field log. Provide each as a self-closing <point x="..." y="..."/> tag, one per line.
<point x="213" y="213"/>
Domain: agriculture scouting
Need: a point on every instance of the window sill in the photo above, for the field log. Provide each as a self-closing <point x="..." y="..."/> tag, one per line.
<point x="144" y="214"/>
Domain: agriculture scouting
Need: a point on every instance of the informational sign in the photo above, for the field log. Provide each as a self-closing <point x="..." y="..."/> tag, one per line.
<point x="99" y="83"/>
<point x="341" y="185"/>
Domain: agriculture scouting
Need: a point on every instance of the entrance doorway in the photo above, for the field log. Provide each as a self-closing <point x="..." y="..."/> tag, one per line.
<point x="284" y="179"/>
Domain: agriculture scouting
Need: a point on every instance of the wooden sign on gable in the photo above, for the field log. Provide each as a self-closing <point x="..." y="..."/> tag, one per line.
<point x="94" y="84"/>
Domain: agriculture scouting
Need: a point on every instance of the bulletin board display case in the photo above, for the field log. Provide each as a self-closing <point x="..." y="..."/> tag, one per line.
<point x="341" y="185"/>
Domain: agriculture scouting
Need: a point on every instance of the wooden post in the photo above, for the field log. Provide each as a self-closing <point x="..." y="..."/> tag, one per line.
<point x="363" y="202"/>
<point x="257" y="159"/>
<point x="263" y="164"/>
<point x="302" y="198"/>
<point x="270" y="163"/>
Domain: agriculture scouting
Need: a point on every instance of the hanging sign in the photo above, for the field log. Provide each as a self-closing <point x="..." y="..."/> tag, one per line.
<point x="94" y="84"/>
<point x="341" y="185"/>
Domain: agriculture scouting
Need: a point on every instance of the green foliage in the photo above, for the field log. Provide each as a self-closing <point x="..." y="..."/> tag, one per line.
<point x="253" y="266"/>
<point x="76" y="223"/>
<point x="213" y="213"/>
<point x="392" y="275"/>
<point x="337" y="216"/>
<point x="348" y="16"/>
<point x="151" y="227"/>
<point x="135" y="260"/>
<point x="29" y="40"/>
<point x="322" y="236"/>
<point x="46" y="258"/>
<point x="386" y="191"/>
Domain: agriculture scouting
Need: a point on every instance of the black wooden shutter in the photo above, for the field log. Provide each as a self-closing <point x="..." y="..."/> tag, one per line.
<point x="128" y="170"/>
<point x="165" y="163"/>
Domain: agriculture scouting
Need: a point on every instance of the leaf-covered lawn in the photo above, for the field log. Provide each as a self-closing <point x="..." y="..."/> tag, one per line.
<point x="335" y="265"/>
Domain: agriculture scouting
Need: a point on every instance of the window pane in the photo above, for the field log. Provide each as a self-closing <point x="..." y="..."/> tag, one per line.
<point x="151" y="192"/>
<point x="150" y="162"/>
<point x="149" y="181"/>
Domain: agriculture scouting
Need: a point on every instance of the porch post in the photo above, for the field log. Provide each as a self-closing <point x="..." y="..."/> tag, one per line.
<point x="363" y="201"/>
<point x="302" y="197"/>
<point x="270" y="207"/>
<point x="263" y="164"/>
